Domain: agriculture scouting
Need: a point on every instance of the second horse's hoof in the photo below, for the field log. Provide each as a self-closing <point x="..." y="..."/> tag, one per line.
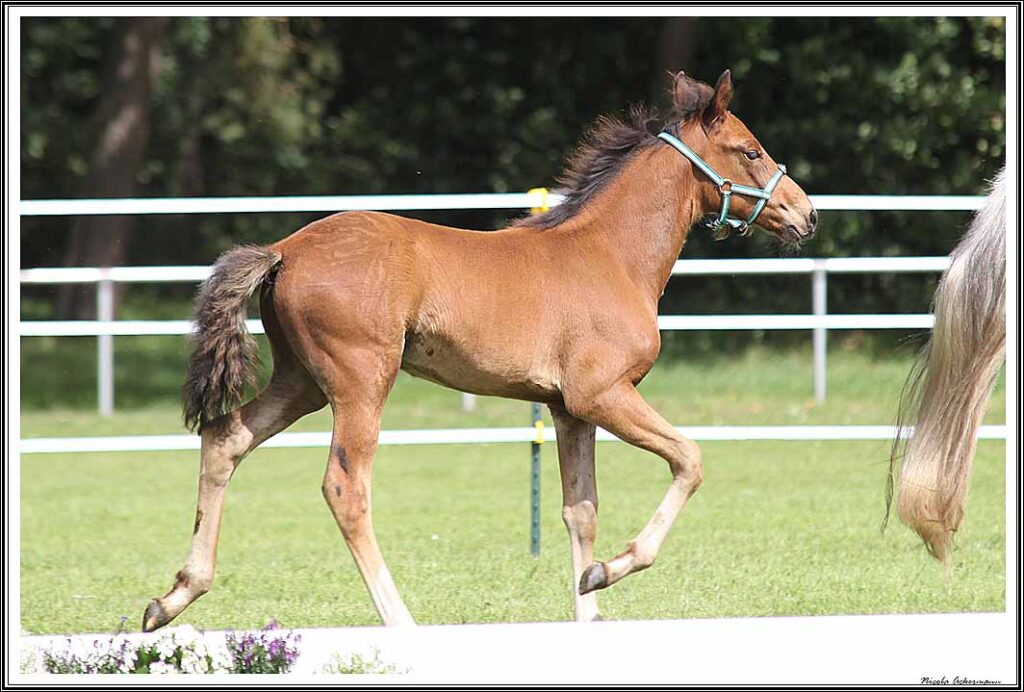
<point x="594" y="577"/>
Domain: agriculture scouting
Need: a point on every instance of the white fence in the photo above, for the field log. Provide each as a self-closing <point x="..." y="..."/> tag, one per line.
<point x="818" y="321"/>
<point x="512" y="200"/>
<point x="448" y="436"/>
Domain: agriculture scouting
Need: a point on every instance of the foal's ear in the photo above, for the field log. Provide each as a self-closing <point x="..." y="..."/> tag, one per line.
<point x="688" y="95"/>
<point x="715" y="112"/>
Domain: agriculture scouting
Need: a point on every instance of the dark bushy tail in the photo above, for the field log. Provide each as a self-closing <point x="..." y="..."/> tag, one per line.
<point x="223" y="358"/>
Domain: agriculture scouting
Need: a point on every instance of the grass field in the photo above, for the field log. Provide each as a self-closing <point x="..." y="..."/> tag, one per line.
<point x="759" y="387"/>
<point x="779" y="528"/>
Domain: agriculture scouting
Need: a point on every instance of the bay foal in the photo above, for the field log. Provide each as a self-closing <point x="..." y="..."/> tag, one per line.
<point x="560" y="308"/>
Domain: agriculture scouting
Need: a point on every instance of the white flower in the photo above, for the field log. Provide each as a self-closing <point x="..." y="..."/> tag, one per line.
<point x="161" y="668"/>
<point x="125" y="651"/>
<point x="193" y="660"/>
<point x="218" y="651"/>
<point x="193" y="648"/>
<point x="190" y="664"/>
<point x="31" y="660"/>
<point x="166" y="646"/>
<point x="186" y="635"/>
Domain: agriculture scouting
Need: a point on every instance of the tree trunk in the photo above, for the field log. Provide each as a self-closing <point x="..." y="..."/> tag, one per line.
<point x="121" y="126"/>
<point x="676" y="51"/>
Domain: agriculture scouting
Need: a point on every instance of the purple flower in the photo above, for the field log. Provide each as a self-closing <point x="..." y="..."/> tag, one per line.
<point x="269" y="651"/>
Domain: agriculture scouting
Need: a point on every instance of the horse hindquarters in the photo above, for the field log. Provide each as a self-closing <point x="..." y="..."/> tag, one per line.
<point x="343" y="311"/>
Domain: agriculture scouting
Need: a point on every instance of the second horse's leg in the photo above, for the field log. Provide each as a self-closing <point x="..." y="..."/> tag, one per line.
<point x="579" y="501"/>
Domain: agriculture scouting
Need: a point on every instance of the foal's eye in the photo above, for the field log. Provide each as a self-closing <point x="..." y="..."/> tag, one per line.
<point x="752" y="154"/>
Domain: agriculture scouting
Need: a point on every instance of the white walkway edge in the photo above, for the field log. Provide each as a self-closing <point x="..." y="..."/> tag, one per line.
<point x="865" y="649"/>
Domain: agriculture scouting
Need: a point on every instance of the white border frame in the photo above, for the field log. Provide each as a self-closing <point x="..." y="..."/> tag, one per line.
<point x="875" y="650"/>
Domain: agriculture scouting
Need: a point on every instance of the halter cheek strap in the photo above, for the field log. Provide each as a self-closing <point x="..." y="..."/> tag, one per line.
<point x="726" y="187"/>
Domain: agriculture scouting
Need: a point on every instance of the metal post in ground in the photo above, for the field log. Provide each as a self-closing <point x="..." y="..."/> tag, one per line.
<point x="819" y="300"/>
<point x="539" y="207"/>
<point x="105" y="347"/>
<point x="538" y="424"/>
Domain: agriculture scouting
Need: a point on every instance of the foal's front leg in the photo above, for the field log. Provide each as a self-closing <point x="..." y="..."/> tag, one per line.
<point x="579" y="501"/>
<point x="624" y="413"/>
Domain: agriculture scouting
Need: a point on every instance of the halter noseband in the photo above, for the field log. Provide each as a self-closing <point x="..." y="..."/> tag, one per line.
<point x="726" y="187"/>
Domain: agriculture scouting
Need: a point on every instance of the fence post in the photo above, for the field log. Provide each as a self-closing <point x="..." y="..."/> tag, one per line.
<point x="468" y="402"/>
<point x="105" y="345"/>
<point x="539" y="207"/>
<point x="538" y="425"/>
<point x="819" y="300"/>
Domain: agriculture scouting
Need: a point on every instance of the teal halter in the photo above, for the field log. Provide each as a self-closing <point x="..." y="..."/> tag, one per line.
<point x="727" y="187"/>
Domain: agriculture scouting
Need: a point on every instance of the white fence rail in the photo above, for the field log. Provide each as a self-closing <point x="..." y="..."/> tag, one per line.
<point x="789" y="265"/>
<point x="510" y="200"/>
<point x="665" y="323"/>
<point x="105" y="328"/>
<point x="716" y="433"/>
<point x="818" y="322"/>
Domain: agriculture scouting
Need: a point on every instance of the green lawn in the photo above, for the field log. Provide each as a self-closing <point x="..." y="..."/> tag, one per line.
<point x="759" y="387"/>
<point x="779" y="528"/>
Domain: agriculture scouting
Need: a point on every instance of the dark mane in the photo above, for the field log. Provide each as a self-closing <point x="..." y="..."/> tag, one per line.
<point x="601" y="155"/>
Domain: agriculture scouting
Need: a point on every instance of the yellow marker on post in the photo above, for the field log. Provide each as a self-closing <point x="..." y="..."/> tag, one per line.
<point x="541" y="193"/>
<point x="539" y="207"/>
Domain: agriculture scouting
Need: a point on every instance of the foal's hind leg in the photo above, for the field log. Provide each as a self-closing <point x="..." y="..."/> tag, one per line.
<point x="579" y="501"/>
<point x="358" y="395"/>
<point x="623" y="412"/>
<point x="225" y="442"/>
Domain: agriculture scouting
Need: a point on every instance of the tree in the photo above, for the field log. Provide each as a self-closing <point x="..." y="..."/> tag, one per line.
<point x="677" y="50"/>
<point x="259" y="106"/>
<point x="121" y="123"/>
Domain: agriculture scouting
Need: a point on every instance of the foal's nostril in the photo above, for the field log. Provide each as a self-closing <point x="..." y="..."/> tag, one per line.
<point x="813" y="218"/>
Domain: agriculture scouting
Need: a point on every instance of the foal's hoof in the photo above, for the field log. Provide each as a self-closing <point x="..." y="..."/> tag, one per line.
<point x="594" y="577"/>
<point x="155" y="617"/>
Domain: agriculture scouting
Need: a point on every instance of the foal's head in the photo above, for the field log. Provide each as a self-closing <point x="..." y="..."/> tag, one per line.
<point x="719" y="138"/>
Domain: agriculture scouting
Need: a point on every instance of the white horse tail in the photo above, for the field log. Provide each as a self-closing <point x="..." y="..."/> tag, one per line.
<point x="945" y="396"/>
